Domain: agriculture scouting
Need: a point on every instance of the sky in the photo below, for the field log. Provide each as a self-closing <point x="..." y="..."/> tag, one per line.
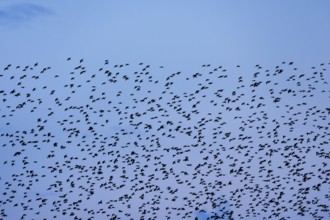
<point x="179" y="32"/>
<point x="175" y="38"/>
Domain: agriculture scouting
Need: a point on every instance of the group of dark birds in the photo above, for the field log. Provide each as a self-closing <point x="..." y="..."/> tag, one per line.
<point x="138" y="141"/>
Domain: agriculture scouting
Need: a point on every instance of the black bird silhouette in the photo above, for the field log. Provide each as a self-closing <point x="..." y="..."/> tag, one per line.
<point x="134" y="141"/>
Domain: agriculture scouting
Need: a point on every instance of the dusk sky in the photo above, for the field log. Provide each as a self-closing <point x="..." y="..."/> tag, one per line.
<point x="164" y="109"/>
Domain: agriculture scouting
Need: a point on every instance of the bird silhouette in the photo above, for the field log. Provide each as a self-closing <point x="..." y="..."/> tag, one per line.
<point x="138" y="141"/>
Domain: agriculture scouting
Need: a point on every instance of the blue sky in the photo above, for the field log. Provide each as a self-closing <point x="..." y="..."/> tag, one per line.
<point x="184" y="31"/>
<point x="181" y="36"/>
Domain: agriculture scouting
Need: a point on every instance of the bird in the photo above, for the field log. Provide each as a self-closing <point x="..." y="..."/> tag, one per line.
<point x="136" y="141"/>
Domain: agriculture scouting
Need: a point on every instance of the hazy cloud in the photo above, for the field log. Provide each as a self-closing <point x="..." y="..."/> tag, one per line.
<point x="22" y="12"/>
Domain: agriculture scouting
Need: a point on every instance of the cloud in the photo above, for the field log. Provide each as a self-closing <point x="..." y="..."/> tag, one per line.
<point x="22" y="12"/>
<point x="222" y="211"/>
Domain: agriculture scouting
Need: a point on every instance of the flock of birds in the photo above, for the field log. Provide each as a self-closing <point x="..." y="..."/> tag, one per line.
<point x="126" y="141"/>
